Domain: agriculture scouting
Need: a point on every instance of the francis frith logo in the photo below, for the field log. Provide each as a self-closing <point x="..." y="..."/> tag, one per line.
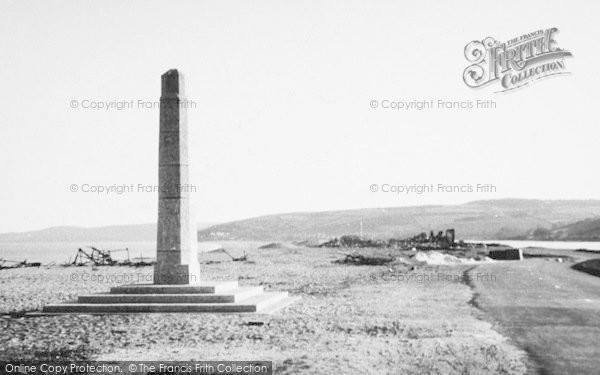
<point x="514" y="63"/>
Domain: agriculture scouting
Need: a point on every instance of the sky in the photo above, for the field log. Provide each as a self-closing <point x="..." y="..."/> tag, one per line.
<point x="282" y="118"/>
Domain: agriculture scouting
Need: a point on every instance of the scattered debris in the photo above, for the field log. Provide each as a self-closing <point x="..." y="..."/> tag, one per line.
<point x="354" y="241"/>
<point x="358" y="259"/>
<point x="94" y="257"/>
<point x="422" y="241"/>
<point x="143" y="262"/>
<point x="17" y="264"/>
<point x="97" y="257"/>
<point x="243" y="258"/>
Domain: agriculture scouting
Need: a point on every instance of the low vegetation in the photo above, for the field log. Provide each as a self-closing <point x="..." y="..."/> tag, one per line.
<point x="376" y="319"/>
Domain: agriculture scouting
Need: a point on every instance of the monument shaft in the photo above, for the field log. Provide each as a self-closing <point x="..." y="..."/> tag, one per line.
<point x="177" y="247"/>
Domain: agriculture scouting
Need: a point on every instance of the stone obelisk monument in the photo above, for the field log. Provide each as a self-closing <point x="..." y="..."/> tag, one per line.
<point x="177" y="247"/>
<point x="176" y="286"/>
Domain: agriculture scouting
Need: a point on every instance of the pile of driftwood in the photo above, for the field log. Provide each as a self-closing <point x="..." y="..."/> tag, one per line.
<point x="243" y="258"/>
<point x="98" y="257"/>
<point x="353" y="241"/>
<point x="363" y="260"/>
<point x="6" y="264"/>
<point x="91" y="256"/>
<point x="422" y="241"/>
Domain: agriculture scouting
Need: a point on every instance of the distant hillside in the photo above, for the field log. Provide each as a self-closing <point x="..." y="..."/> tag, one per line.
<point x="491" y="219"/>
<point x="135" y="232"/>
<point x="583" y="230"/>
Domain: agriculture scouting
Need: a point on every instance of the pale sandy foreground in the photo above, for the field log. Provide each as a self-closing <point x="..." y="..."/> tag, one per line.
<point x="351" y="319"/>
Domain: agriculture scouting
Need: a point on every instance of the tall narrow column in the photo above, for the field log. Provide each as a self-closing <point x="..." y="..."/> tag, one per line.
<point x="177" y="247"/>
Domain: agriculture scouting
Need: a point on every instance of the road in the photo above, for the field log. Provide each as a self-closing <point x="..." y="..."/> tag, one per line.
<point x="546" y="308"/>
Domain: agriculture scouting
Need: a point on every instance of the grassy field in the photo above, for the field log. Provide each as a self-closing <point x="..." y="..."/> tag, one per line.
<point x="351" y="319"/>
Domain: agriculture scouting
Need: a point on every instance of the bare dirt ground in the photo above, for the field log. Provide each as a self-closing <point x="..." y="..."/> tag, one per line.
<point x="351" y="319"/>
<point x="547" y="308"/>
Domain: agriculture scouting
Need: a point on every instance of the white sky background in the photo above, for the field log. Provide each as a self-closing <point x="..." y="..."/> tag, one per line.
<point x="283" y="120"/>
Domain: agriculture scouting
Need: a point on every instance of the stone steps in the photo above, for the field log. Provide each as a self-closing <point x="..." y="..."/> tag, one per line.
<point x="236" y="295"/>
<point x="217" y="297"/>
<point x="201" y="287"/>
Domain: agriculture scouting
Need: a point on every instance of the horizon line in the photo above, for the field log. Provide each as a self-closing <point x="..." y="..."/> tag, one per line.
<point x="303" y="212"/>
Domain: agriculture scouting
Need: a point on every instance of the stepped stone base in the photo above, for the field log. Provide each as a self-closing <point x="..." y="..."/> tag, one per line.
<point x="213" y="297"/>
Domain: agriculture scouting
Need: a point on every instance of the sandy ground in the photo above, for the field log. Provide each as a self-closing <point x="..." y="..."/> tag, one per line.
<point x="351" y="319"/>
<point x="547" y="308"/>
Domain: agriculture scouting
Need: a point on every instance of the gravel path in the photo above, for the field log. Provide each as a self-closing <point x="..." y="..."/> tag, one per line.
<point x="547" y="308"/>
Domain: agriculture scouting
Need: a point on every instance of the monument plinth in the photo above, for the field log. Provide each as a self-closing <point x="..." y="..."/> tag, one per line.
<point x="176" y="285"/>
